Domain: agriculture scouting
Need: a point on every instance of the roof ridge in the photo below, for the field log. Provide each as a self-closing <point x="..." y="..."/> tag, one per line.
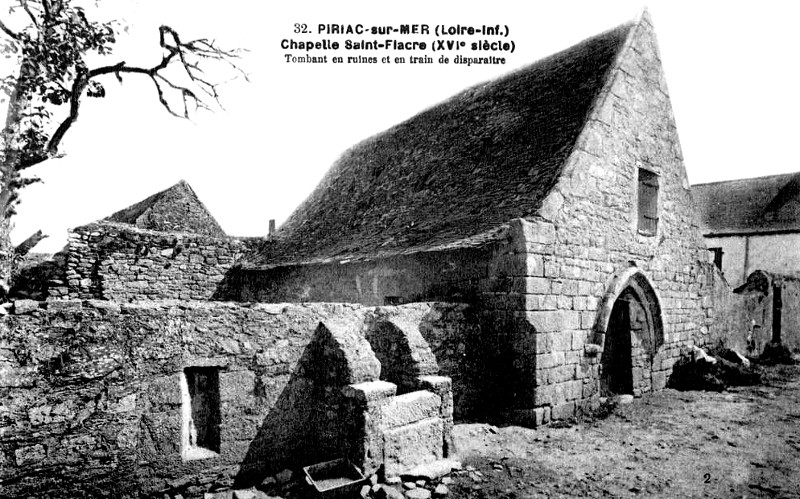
<point x="747" y="179"/>
<point x="787" y="192"/>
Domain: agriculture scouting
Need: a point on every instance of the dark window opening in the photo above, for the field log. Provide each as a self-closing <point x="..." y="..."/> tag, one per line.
<point x="204" y="413"/>
<point x="717" y="256"/>
<point x="648" y="202"/>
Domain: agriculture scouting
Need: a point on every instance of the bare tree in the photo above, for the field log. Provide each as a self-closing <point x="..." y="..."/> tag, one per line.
<point x="50" y="41"/>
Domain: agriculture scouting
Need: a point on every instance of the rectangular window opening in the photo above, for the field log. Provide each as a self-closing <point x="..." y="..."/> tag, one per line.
<point x="648" y="202"/>
<point x="392" y="300"/>
<point x="717" y="254"/>
<point x="201" y="412"/>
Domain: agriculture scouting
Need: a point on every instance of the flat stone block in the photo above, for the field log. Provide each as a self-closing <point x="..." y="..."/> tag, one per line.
<point x="538" y="232"/>
<point x="537" y="285"/>
<point x="409" y="408"/>
<point x="418" y="493"/>
<point x="436" y="383"/>
<point x="563" y="411"/>
<point x="412" y="445"/>
<point x="25" y="306"/>
<point x="659" y="380"/>
<point x="28" y="455"/>
<point x="432" y="471"/>
<point x="530" y="418"/>
<point x="555" y="320"/>
<point x="370" y="391"/>
<point x="64" y="305"/>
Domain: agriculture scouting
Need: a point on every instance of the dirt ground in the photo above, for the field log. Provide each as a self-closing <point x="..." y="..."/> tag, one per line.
<point x="744" y="442"/>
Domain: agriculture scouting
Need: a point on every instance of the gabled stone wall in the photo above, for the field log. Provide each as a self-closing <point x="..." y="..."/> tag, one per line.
<point x="118" y="262"/>
<point x="585" y="237"/>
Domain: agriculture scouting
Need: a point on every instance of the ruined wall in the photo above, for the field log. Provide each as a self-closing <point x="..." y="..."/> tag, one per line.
<point x="476" y="355"/>
<point x="587" y="236"/>
<point x="92" y="393"/>
<point x="421" y="276"/>
<point x="790" y="312"/>
<point x="732" y="314"/>
<point x="119" y="262"/>
<point x="759" y="306"/>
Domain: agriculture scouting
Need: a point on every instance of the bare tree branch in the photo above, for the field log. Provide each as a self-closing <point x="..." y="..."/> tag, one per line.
<point x="55" y="76"/>
<point x="47" y="14"/>
<point x="174" y="48"/>
<point x="30" y="13"/>
<point x="5" y="29"/>
<point x="27" y="245"/>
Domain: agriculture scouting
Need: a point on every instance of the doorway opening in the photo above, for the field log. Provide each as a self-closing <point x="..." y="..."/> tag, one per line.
<point x="617" y="366"/>
<point x="631" y="331"/>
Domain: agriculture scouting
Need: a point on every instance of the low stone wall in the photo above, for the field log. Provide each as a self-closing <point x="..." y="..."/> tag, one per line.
<point x="119" y="262"/>
<point x="95" y="393"/>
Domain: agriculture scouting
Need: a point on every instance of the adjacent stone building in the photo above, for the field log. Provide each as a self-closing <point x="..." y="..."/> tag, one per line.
<point x="751" y="224"/>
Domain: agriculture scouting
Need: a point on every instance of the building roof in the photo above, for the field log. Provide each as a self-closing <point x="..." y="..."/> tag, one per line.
<point x="748" y="206"/>
<point x="176" y="209"/>
<point x="452" y="175"/>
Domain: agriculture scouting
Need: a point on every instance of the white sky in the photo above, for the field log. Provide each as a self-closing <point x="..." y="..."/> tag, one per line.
<point x="731" y="69"/>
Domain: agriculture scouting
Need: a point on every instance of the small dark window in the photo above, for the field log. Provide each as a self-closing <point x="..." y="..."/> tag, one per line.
<point x="717" y="256"/>
<point x="392" y="300"/>
<point x="648" y="202"/>
<point x="204" y="413"/>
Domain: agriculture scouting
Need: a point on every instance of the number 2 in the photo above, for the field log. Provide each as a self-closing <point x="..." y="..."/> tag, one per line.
<point x="707" y="478"/>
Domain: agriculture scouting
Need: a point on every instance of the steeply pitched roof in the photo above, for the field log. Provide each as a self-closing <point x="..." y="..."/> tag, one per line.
<point x="176" y="209"/>
<point x="453" y="174"/>
<point x="752" y="205"/>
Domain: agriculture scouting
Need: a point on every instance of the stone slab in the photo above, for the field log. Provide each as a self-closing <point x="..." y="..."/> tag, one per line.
<point x="412" y="445"/>
<point x="409" y="408"/>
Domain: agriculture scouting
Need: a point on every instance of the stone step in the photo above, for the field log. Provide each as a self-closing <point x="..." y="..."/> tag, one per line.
<point x="433" y="470"/>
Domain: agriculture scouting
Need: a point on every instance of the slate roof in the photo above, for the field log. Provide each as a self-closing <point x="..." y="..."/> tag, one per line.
<point x="176" y="209"/>
<point x="452" y="175"/>
<point x="748" y="206"/>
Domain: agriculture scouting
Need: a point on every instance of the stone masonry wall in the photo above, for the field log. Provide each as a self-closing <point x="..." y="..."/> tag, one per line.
<point x="567" y="259"/>
<point x="92" y="397"/>
<point x="476" y="354"/>
<point x="421" y="276"/>
<point x="118" y="262"/>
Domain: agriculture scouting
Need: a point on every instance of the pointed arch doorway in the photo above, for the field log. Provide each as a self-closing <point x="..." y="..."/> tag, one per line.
<point x="631" y="330"/>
